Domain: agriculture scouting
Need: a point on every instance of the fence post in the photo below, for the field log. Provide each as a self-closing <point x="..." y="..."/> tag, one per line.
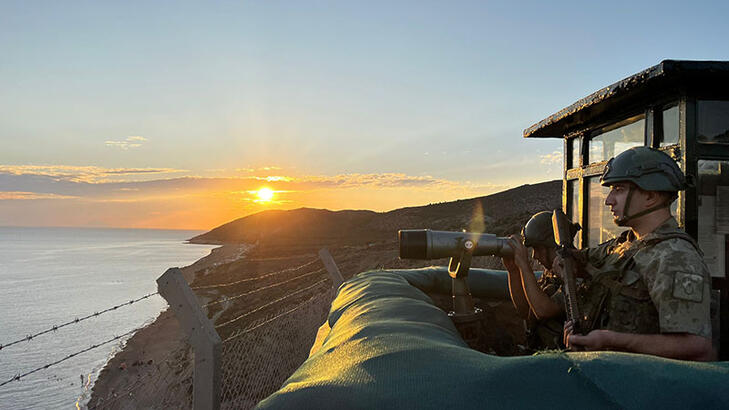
<point x="205" y="341"/>
<point x="331" y="267"/>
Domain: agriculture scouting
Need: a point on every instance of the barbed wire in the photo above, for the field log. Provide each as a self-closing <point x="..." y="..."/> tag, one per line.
<point x="252" y="328"/>
<point x="270" y="303"/>
<point x="256" y="278"/>
<point x="72" y="355"/>
<point x="250" y="292"/>
<point x="75" y="321"/>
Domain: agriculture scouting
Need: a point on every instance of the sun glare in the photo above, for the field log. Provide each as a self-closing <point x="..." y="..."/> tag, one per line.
<point x="264" y="194"/>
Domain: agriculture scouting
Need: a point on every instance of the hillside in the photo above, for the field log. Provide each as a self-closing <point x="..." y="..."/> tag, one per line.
<point x="501" y="213"/>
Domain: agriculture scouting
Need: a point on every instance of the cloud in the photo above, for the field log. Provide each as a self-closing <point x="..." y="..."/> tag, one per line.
<point x="130" y="142"/>
<point x="99" y="181"/>
<point x="258" y="170"/>
<point x="89" y="174"/>
<point x="19" y="195"/>
<point x="551" y="159"/>
<point x="384" y="180"/>
<point x="276" y="178"/>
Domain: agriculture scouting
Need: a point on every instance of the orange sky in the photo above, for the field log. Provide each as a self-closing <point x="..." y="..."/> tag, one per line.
<point x="148" y="198"/>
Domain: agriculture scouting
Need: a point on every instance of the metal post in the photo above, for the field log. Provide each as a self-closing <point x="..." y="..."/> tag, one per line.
<point x="201" y="334"/>
<point x="331" y="267"/>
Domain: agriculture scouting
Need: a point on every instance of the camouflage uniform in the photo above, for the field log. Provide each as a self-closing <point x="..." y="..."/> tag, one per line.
<point x="658" y="284"/>
<point x="547" y="333"/>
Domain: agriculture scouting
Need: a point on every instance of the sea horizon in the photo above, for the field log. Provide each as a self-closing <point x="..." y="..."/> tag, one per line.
<point x="103" y="227"/>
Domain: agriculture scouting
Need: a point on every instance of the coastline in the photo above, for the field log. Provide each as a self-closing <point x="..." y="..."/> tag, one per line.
<point x="156" y="347"/>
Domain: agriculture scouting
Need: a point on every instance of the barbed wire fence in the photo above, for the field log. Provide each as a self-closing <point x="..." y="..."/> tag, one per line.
<point x="55" y="328"/>
<point x="249" y="378"/>
<point x="76" y="320"/>
<point x="259" y="355"/>
<point x="263" y="345"/>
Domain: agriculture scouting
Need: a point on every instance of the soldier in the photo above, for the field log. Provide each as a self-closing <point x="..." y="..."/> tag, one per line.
<point x="539" y="302"/>
<point x="649" y="288"/>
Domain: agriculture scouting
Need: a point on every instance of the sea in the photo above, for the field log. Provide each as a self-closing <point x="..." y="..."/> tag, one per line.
<point x="50" y="276"/>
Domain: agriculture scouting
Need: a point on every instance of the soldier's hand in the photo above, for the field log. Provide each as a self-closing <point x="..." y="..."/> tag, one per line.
<point x="557" y="266"/>
<point x="578" y="258"/>
<point x="509" y="263"/>
<point x="567" y="330"/>
<point x="595" y="340"/>
<point x="520" y="251"/>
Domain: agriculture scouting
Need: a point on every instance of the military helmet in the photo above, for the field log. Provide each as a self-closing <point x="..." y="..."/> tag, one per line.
<point x="538" y="231"/>
<point x="648" y="168"/>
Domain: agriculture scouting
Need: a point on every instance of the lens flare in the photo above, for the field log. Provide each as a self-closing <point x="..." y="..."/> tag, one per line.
<point x="264" y="194"/>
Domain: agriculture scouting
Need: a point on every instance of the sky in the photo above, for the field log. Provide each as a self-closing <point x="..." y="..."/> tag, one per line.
<point x="175" y="114"/>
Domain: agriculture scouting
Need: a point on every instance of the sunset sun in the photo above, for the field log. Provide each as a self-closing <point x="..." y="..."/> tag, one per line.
<point x="264" y="195"/>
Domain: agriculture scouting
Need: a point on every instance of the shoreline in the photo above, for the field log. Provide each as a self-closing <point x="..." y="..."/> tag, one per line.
<point x="157" y="346"/>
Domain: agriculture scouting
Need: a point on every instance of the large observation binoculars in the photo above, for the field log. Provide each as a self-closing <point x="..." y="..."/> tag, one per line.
<point x="460" y="247"/>
<point x="427" y="244"/>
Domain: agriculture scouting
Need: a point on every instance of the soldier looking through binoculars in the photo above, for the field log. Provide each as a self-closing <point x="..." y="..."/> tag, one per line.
<point x="539" y="301"/>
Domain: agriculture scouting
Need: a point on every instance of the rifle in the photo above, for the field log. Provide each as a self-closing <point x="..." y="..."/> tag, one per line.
<point x="563" y="237"/>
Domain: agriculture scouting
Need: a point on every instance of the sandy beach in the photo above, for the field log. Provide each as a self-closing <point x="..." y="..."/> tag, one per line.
<point x="158" y="347"/>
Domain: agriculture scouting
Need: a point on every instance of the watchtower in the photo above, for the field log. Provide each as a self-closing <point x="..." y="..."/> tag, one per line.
<point x="680" y="107"/>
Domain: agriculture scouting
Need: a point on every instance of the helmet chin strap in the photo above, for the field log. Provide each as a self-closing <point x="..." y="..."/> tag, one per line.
<point x="623" y="220"/>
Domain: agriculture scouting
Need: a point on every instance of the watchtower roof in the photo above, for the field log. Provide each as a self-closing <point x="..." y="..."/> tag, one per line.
<point x="667" y="73"/>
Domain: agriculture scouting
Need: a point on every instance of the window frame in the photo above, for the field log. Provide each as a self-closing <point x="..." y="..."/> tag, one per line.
<point x="582" y="169"/>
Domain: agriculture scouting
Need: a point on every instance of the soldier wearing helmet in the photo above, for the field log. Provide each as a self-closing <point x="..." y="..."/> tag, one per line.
<point x="539" y="302"/>
<point x="649" y="289"/>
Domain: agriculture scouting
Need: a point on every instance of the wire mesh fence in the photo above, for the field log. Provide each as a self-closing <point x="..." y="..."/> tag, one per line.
<point x="267" y="331"/>
<point x="258" y="359"/>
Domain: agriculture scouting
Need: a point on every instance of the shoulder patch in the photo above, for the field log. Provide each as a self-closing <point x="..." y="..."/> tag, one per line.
<point x="688" y="286"/>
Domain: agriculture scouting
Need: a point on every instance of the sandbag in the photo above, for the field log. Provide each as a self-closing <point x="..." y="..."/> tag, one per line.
<point x="389" y="347"/>
<point x="483" y="283"/>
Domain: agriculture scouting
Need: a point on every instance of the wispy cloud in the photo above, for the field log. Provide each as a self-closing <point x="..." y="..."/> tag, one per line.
<point x="128" y="143"/>
<point x="258" y="170"/>
<point x="18" y="195"/>
<point x="104" y="181"/>
<point x="89" y="174"/>
<point x="276" y="178"/>
<point x="551" y="159"/>
<point x="384" y="180"/>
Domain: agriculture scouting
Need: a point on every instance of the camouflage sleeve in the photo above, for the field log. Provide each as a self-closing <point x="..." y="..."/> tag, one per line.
<point x="679" y="284"/>
<point x="552" y="286"/>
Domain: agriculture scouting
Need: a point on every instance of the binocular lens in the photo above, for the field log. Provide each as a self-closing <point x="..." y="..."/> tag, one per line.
<point x="413" y="244"/>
